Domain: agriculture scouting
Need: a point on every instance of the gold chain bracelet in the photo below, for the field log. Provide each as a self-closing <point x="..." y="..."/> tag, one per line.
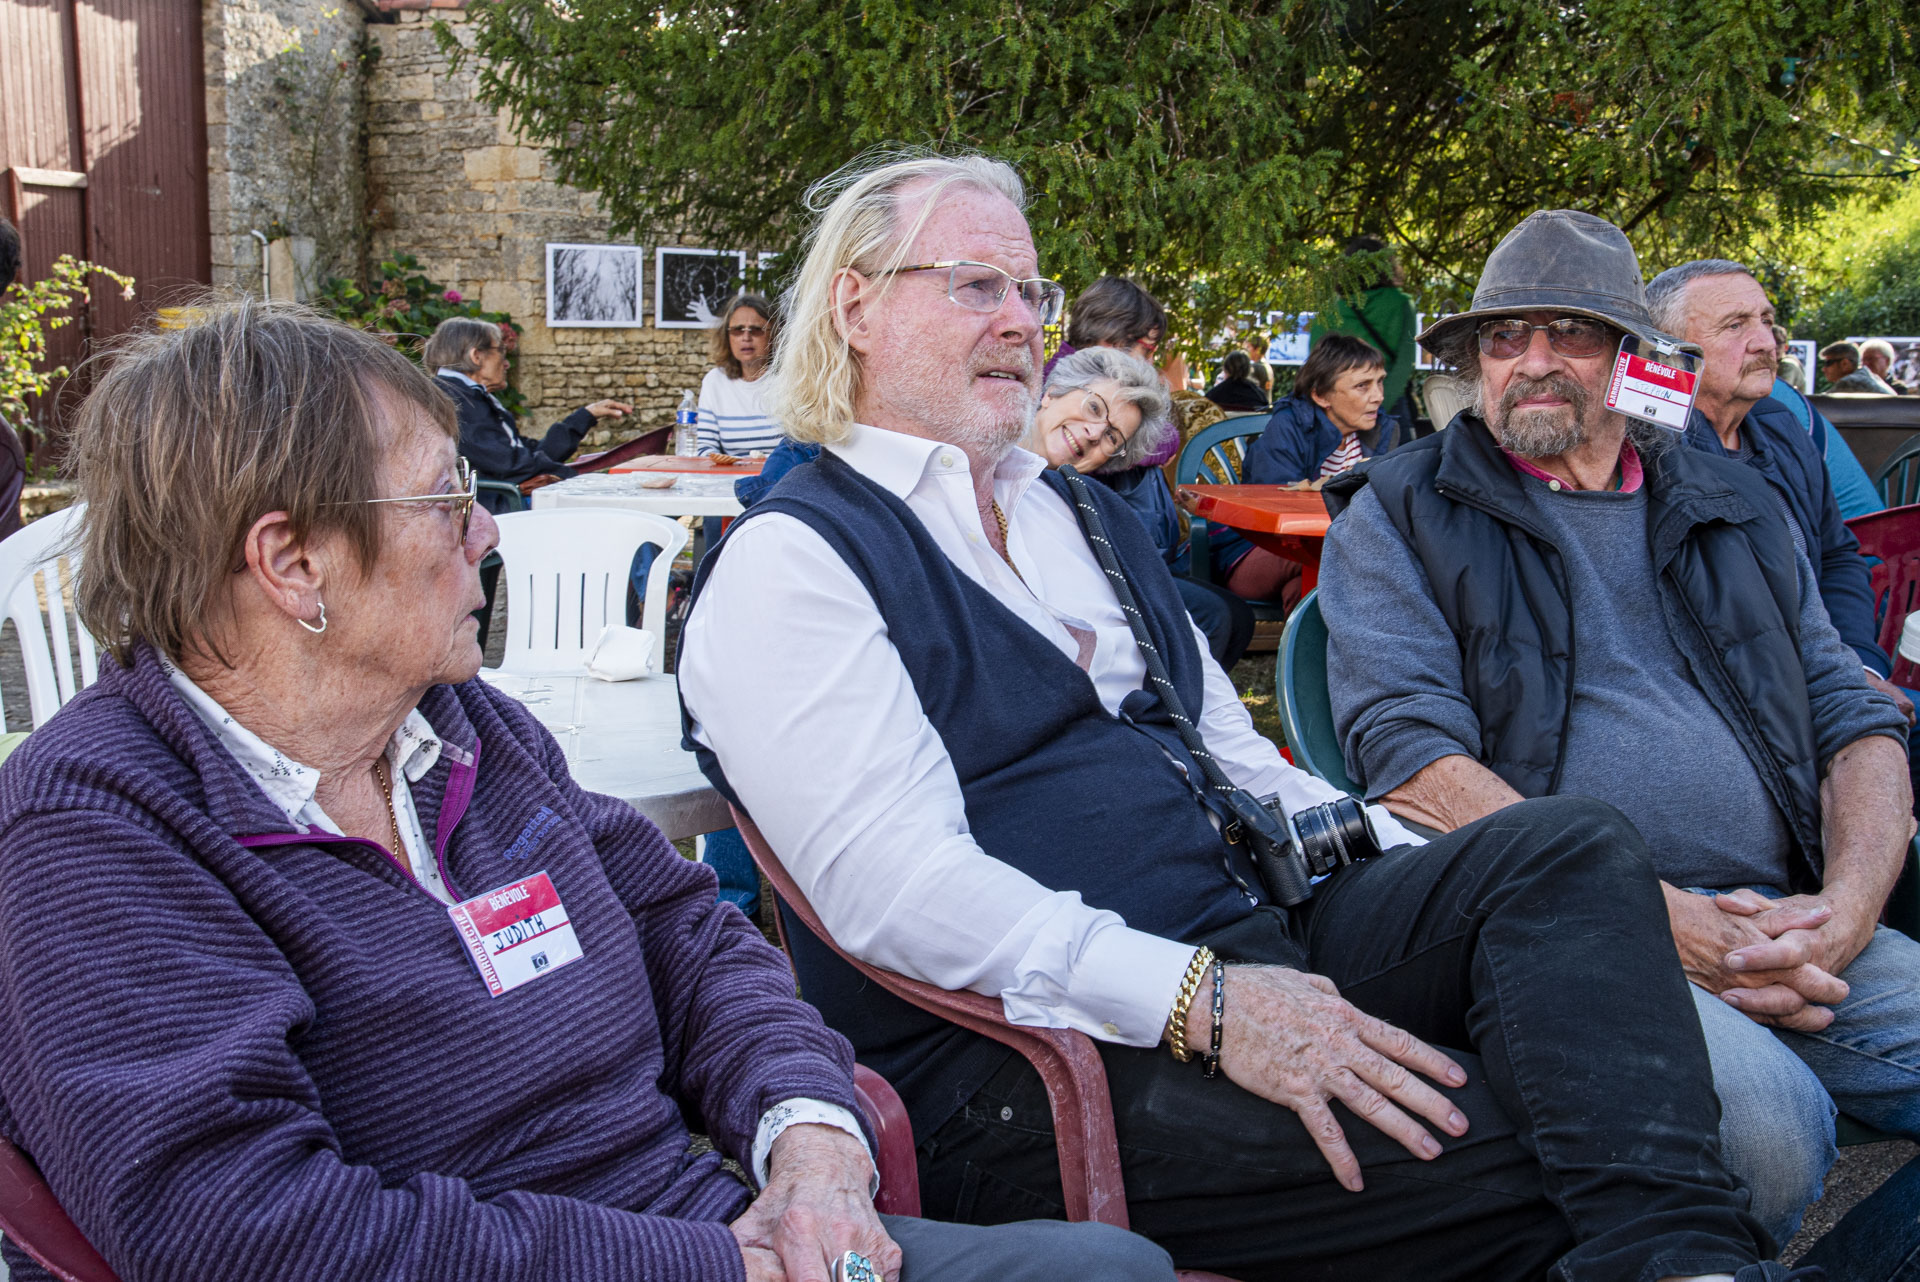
<point x="1189" y="988"/>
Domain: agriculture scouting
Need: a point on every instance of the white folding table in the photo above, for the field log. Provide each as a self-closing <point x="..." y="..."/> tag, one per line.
<point x="622" y="738"/>
<point x="692" y="494"/>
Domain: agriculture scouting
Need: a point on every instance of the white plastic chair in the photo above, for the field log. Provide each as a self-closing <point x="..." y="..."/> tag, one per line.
<point x="566" y="574"/>
<point x="31" y="585"/>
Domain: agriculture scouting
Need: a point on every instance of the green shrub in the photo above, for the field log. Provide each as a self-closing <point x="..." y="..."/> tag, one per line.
<point x="27" y="312"/>
<point x="404" y="306"/>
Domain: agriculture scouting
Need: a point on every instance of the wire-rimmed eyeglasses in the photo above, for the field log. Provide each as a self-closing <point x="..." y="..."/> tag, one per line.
<point x="982" y="287"/>
<point x="459" y="501"/>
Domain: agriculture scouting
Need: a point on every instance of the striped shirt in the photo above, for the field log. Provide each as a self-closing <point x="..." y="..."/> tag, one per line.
<point x="1344" y="456"/>
<point x="733" y="415"/>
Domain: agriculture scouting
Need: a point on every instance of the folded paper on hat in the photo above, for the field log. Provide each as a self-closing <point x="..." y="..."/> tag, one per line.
<point x="621" y="654"/>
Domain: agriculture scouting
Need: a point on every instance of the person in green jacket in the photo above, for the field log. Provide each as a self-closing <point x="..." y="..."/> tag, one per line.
<point x="1383" y="318"/>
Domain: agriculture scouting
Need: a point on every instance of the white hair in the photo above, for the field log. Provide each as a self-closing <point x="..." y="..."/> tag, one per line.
<point x="816" y="374"/>
<point x="1667" y="292"/>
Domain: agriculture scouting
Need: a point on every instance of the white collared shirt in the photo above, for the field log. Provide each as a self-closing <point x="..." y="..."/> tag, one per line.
<point x="791" y="679"/>
<point x="414" y="750"/>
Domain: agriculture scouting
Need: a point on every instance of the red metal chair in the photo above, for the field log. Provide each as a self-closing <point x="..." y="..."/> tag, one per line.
<point x="1894" y="537"/>
<point x="1069" y="1066"/>
<point x="33" y="1220"/>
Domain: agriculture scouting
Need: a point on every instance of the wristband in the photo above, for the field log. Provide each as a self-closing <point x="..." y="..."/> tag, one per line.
<point x="1219" y="1017"/>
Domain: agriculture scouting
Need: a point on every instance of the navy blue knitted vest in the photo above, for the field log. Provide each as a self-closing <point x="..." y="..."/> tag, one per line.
<point x="1054" y="785"/>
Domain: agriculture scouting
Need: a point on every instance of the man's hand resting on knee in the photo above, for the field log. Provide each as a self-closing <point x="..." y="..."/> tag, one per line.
<point x="1780" y="981"/>
<point x="1291" y="1038"/>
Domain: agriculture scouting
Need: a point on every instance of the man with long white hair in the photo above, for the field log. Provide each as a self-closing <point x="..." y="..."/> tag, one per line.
<point x="913" y="667"/>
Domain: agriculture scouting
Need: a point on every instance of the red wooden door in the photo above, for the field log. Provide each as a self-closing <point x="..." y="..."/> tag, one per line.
<point x="104" y="145"/>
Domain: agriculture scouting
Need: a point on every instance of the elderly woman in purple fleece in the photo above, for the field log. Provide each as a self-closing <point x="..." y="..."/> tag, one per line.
<point x="315" y="963"/>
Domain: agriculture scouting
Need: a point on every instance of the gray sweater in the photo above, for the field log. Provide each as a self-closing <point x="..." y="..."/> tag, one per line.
<point x="1642" y="735"/>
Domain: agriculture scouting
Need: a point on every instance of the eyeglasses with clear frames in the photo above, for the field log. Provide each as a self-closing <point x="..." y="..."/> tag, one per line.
<point x="459" y="501"/>
<point x="982" y="287"/>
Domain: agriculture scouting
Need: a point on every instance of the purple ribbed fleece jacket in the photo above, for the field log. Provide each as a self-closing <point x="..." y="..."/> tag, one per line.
<point x="277" y="1061"/>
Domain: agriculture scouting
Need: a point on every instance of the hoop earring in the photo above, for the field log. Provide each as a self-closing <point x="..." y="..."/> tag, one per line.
<point x="323" y="621"/>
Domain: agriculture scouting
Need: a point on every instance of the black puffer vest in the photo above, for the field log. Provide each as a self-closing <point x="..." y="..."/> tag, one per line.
<point x="1728" y="586"/>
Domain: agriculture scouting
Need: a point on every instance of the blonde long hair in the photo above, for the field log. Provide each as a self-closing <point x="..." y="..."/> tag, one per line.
<point x="817" y="375"/>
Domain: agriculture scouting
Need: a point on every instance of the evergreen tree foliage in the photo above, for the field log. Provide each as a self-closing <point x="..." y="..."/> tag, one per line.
<point x="1220" y="150"/>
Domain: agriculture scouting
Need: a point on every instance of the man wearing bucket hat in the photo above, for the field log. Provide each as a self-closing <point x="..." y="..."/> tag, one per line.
<point x="1578" y="607"/>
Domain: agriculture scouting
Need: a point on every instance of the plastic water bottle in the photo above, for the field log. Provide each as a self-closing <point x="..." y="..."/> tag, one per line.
<point x="686" y="426"/>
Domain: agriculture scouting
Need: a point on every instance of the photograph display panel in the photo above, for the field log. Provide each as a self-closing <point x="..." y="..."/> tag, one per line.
<point x="1906" y="356"/>
<point x="691" y="286"/>
<point x="594" y="286"/>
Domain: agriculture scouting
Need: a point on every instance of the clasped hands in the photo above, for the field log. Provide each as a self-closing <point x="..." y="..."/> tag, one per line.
<point x="814" y="1209"/>
<point x="1777" y="961"/>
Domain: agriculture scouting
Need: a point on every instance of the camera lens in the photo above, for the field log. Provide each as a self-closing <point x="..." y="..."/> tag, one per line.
<point x="1333" y="834"/>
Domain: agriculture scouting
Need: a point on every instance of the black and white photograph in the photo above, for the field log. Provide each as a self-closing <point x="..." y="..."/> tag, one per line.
<point x="594" y="285"/>
<point x="1905" y="368"/>
<point x="691" y="286"/>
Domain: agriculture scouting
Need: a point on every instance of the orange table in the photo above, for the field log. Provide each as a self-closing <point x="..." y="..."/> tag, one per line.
<point x="674" y="463"/>
<point x="1291" y="523"/>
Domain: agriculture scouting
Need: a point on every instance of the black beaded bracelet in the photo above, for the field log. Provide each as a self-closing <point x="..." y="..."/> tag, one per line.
<point x="1212" y="1060"/>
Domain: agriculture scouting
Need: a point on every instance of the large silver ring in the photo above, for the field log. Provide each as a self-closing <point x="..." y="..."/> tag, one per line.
<point x="855" y="1267"/>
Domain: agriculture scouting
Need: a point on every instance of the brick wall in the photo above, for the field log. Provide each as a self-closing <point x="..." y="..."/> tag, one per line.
<point x="448" y="181"/>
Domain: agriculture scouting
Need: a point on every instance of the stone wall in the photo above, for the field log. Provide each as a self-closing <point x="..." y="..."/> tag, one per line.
<point x="285" y="111"/>
<point x="449" y="181"/>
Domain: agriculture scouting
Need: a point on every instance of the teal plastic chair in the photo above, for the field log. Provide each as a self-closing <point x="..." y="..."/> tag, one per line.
<point x="1306" y="707"/>
<point x="1898" y="479"/>
<point x="1306" y="716"/>
<point x="1213" y="457"/>
<point x="507" y="488"/>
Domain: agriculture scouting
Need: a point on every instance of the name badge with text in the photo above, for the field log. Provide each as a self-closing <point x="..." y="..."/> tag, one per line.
<point x="517" y="933"/>
<point x="1659" y="390"/>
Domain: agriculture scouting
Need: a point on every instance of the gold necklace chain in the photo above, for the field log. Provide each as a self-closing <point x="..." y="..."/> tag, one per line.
<point x="386" y="794"/>
<point x="1006" y="552"/>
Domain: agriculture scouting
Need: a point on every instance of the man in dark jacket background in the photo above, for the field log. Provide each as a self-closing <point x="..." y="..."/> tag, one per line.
<point x="1577" y="604"/>
<point x="1718" y="306"/>
<point x="13" y="458"/>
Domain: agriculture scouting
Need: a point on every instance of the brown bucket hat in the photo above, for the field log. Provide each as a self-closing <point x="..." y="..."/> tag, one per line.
<point x="1560" y="260"/>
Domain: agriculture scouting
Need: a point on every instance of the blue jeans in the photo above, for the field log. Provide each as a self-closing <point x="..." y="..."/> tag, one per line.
<point x="1778" y="1088"/>
<point x="726" y="853"/>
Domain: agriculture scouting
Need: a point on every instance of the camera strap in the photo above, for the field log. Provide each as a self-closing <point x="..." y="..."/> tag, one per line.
<point x="1238" y="802"/>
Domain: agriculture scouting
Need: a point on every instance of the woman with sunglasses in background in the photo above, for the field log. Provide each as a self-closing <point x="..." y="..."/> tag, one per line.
<point x="733" y="396"/>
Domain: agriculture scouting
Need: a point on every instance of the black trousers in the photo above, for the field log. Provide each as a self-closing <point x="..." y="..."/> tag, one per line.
<point x="1533" y="943"/>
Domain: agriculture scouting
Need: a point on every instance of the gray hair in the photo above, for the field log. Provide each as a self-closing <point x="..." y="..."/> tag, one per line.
<point x="1873" y="345"/>
<point x="454" y="340"/>
<point x="190" y="435"/>
<point x="1667" y="292"/>
<point x="1140" y="387"/>
<point x="816" y="374"/>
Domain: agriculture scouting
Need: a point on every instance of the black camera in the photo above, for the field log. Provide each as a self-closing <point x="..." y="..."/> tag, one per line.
<point x="1291" y="850"/>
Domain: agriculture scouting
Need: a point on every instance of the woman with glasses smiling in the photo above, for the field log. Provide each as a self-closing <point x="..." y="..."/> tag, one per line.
<point x="734" y="421"/>
<point x="1106" y="414"/>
